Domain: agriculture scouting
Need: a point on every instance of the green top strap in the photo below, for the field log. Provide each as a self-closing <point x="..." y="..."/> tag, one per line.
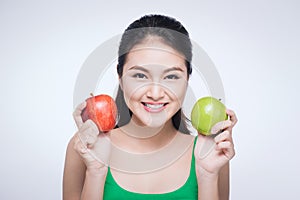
<point x="189" y="191"/>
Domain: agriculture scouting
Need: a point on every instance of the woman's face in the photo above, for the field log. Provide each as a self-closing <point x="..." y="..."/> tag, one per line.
<point x="154" y="82"/>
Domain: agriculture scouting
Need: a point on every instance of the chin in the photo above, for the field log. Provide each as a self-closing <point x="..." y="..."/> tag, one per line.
<point x="152" y="120"/>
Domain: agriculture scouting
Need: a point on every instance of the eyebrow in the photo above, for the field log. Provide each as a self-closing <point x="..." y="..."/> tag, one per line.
<point x="173" y="69"/>
<point x="138" y="68"/>
<point x="165" y="71"/>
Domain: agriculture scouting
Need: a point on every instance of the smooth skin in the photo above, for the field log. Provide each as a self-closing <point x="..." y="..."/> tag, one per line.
<point x="84" y="177"/>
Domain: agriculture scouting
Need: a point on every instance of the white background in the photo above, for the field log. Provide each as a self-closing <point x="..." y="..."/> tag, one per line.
<point x="254" y="45"/>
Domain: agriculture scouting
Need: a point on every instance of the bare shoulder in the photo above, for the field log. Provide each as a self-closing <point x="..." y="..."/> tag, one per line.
<point x="73" y="159"/>
<point x="70" y="152"/>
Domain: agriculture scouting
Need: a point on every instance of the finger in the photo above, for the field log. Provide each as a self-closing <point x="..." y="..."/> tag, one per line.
<point x="227" y="148"/>
<point x="89" y="133"/>
<point x="87" y="137"/>
<point x="220" y="126"/>
<point x="92" y="125"/>
<point x="224" y="136"/>
<point x="79" y="146"/>
<point x="86" y="154"/>
<point x="77" y="114"/>
<point x="225" y="145"/>
<point x="91" y="139"/>
<point x="89" y="124"/>
<point x="232" y="116"/>
<point x="83" y="151"/>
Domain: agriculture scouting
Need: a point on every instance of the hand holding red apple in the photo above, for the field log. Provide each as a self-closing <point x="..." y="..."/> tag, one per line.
<point x="96" y="114"/>
<point x="85" y="138"/>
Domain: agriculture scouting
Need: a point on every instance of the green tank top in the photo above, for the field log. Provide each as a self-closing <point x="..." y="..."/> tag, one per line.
<point x="189" y="191"/>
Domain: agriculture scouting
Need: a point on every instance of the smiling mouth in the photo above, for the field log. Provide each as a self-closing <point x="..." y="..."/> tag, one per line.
<point x="154" y="107"/>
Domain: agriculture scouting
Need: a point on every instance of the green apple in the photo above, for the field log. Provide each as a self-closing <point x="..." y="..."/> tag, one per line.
<point x="206" y="112"/>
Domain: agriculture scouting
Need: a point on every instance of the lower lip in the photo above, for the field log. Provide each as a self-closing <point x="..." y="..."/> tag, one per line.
<point x="154" y="110"/>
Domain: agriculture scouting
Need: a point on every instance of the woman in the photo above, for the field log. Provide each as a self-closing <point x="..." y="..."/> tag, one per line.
<point x="153" y="67"/>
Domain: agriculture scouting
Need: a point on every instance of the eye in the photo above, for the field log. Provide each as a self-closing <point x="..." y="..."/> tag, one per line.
<point x="172" y="76"/>
<point x="139" y="75"/>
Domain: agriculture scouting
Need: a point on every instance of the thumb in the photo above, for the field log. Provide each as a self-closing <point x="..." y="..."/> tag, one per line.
<point x="77" y="114"/>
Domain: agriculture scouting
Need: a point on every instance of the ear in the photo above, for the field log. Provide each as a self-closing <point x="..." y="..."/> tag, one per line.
<point x="120" y="79"/>
<point x="121" y="83"/>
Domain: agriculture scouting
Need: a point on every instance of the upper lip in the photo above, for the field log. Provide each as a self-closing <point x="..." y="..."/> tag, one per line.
<point x="155" y="103"/>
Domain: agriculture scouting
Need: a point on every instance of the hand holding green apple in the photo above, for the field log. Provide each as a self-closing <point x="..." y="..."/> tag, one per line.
<point x="206" y="112"/>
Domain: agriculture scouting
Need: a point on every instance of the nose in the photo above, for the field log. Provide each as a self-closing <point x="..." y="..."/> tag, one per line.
<point x="155" y="92"/>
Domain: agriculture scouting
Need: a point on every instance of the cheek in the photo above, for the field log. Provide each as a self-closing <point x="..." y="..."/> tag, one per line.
<point x="177" y="90"/>
<point x="132" y="90"/>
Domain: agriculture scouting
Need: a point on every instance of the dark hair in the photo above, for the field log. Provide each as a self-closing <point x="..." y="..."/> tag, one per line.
<point x="172" y="33"/>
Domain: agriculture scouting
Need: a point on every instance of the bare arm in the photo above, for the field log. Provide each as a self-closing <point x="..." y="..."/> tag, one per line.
<point x="214" y="187"/>
<point x="74" y="174"/>
<point x="94" y="184"/>
<point x="207" y="186"/>
<point x="224" y="183"/>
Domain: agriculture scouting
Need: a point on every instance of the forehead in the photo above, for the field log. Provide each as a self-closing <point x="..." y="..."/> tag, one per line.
<point x="154" y="53"/>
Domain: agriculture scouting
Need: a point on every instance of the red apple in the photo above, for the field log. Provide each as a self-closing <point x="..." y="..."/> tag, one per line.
<point x="102" y="110"/>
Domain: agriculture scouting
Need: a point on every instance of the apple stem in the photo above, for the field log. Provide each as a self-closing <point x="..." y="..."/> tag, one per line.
<point x="220" y="99"/>
<point x="91" y="94"/>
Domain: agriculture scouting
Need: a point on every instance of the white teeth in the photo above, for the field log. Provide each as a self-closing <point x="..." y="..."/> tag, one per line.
<point x="154" y="106"/>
